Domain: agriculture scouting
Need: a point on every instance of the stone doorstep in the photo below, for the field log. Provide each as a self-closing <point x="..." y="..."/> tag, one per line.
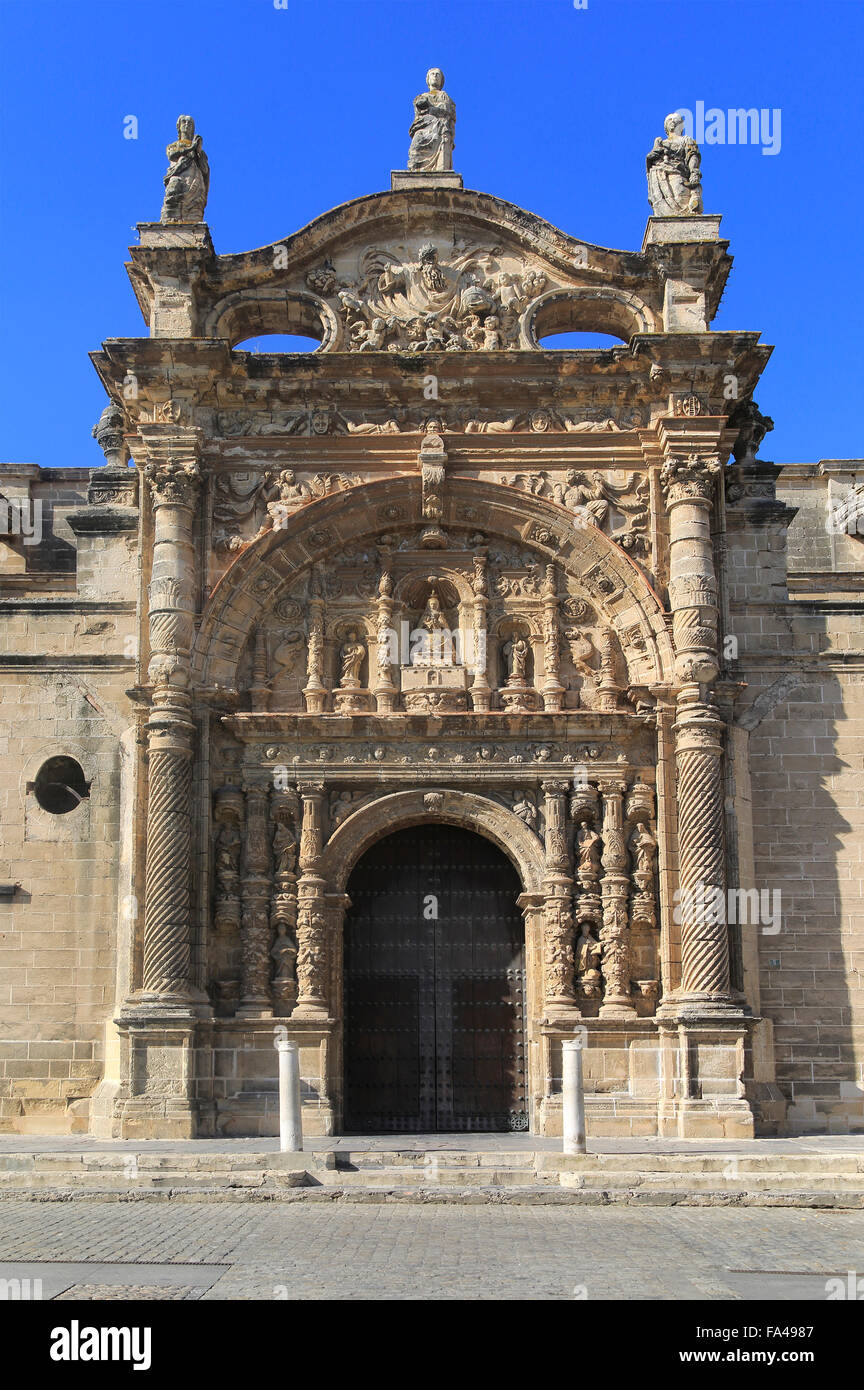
<point x="462" y="1196"/>
<point x="706" y="1163"/>
<point x="419" y="1162"/>
<point x="449" y="1176"/>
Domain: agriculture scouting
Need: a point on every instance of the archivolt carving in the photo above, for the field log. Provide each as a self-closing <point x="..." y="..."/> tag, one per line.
<point x="375" y="819"/>
<point x="586" y="556"/>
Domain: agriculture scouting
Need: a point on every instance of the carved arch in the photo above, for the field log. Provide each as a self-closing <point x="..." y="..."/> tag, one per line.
<point x="253" y="312"/>
<point x="598" y="309"/>
<point x="614" y="584"/>
<point x="399" y="810"/>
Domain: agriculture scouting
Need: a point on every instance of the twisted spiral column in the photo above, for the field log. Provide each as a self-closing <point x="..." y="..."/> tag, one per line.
<point x="701" y="851"/>
<point x="173" y="481"/>
<point x="688" y="478"/>
<point x="166" y="966"/>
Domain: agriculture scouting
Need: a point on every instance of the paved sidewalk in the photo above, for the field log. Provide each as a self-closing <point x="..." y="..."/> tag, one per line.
<point x="90" y="1250"/>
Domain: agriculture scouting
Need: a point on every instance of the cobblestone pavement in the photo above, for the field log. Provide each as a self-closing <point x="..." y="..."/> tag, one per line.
<point x="417" y="1253"/>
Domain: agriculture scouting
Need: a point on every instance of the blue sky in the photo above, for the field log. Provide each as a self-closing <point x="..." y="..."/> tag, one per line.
<point x="308" y="106"/>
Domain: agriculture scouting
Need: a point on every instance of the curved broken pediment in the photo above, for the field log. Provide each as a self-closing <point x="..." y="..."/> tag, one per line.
<point x="420" y="270"/>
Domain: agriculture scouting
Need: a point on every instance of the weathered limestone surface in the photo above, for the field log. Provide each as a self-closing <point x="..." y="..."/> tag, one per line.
<point x="432" y="573"/>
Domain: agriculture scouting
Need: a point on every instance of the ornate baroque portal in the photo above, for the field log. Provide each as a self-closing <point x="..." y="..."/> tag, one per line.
<point x="431" y="734"/>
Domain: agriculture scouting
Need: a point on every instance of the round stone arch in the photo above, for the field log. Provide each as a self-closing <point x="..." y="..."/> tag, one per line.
<point x="614" y="583"/>
<point x="253" y="312"/>
<point x="448" y="806"/>
<point x="601" y="309"/>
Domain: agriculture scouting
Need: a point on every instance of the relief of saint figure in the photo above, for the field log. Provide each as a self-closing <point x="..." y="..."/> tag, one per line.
<point x="188" y="178"/>
<point x="433" y="126"/>
<point x="674" y="177"/>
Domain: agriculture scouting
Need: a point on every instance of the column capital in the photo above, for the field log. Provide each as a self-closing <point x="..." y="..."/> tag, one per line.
<point x="689" y="478"/>
<point x="173" y="483"/>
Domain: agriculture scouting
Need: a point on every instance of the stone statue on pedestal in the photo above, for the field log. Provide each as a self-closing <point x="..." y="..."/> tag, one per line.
<point x="674" y="177"/>
<point x="351" y="660"/>
<point x="517" y="653"/>
<point x="588" y="956"/>
<point x="188" y="178"/>
<point x="433" y="127"/>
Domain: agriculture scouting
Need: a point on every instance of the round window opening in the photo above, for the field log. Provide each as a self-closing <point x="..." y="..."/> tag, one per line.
<point x="60" y="786"/>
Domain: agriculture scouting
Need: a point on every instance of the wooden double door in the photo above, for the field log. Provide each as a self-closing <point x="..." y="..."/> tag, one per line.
<point x="434" y="987"/>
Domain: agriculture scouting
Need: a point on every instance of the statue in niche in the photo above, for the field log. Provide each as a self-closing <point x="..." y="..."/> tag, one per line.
<point x="432" y="130"/>
<point x="516" y="654"/>
<point x="432" y="641"/>
<point x="588" y="844"/>
<point x="188" y="178"/>
<point x="674" y="175"/>
<point x="588" y="955"/>
<point x="229" y="842"/>
<point x="433" y="616"/>
<point x="284" y="954"/>
<point x="351" y="660"/>
<point x="643" y="847"/>
<point x="284" y="849"/>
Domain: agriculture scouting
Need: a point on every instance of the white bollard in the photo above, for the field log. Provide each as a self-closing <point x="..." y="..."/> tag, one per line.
<point x="290" y="1122"/>
<point x="573" y="1095"/>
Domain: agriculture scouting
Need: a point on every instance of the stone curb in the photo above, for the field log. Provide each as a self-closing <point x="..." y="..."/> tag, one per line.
<point x="474" y="1196"/>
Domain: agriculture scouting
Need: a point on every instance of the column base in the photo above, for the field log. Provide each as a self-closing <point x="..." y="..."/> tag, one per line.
<point x="313" y="1009"/>
<point x="558" y="1011"/>
<point x="693" y="1005"/>
<point x="146" y="1006"/>
<point x="617" y="1006"/>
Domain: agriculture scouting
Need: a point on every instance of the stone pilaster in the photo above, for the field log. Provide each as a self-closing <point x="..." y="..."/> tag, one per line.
<point x="614" y="892"/>
<point x="255" y="930"/>
<point x="385" y="687"/>
<point x="283" y="909"/>
<point x="558" y="959"/>
<point x="481" y="691"/>
<point x="228" y="807"/>
<point x="553" y="690"/>
<point x="642" y="843"/>
<point x="315" y="691"/>
<point x="312" y="916"/>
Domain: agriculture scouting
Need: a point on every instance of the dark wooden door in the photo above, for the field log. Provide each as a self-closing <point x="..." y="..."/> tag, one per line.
<point x="434" y="987"/>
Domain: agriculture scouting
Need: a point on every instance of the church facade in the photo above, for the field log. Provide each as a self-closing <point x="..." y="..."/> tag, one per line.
<point x="433" y="697"/>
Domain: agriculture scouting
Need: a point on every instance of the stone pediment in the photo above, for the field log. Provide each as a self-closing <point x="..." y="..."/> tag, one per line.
<point x="409" y="271"/>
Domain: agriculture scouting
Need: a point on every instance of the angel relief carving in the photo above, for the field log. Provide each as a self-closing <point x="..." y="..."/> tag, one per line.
<point x="244" y="499"/>
<point x="619" y="509"/>
<point x="420" y="303"/>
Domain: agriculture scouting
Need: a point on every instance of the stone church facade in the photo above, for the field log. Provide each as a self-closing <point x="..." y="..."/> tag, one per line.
<point x="433" y="697"/>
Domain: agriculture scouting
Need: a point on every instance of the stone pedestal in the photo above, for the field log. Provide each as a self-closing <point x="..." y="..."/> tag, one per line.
<point x="434" y="688"/>
<point x="352" y="701"/>
<point x="405" y="180"/>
